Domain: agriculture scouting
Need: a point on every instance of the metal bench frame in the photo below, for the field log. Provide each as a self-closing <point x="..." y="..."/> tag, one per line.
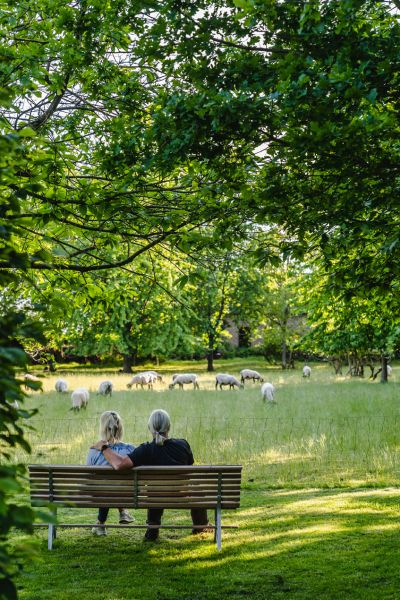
<point x="181" y="487"/>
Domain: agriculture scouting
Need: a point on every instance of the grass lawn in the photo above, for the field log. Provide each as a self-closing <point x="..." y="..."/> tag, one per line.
<point x="303" y="544"/>
<point x="320" y="509"/>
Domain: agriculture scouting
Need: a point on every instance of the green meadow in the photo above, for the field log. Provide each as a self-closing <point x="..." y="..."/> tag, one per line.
<point x="320" y="502"/>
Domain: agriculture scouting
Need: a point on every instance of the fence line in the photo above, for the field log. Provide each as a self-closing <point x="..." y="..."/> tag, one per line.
<point x="277" y="451"/>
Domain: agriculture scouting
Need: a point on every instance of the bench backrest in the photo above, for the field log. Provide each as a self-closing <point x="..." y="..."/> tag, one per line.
<point x="141" y="487"/>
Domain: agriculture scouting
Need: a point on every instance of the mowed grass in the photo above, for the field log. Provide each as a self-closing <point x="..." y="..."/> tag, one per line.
<point x="319" y="515"/>
<point x="302" y="544"/>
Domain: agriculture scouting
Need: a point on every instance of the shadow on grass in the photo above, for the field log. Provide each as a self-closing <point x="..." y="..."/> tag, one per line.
<point x="303" y="544"/>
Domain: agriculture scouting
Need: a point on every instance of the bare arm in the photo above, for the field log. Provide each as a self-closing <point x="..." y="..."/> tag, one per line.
<point x="117" y="461"/>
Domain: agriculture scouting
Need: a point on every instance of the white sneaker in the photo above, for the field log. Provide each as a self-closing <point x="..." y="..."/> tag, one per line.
<point x="125" y="517"/>
<point x="99" y="530"/>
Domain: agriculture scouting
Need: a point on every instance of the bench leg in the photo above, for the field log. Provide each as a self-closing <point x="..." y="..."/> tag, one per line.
<point x="218" y="530"/>
<point x="52" y="532"/>
<point x="50" y="537"/>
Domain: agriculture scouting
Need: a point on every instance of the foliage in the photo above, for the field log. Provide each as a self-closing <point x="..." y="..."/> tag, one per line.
<point x="12" y="359"/>
<point x="209" y="292"/>
<point x="91" y="194"/>
<point x="359" y="330"/>
<point x="302" y="97"/>
<point x="137" y="315"/>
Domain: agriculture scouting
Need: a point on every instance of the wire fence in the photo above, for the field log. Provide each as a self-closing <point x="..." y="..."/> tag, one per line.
<point x="274" y="451"/>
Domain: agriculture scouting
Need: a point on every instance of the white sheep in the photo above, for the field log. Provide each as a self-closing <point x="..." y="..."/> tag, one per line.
<point x="80" y="399"/>
<point x="182" y="378"/>
<point x="154" y="374"/>
<point x="389" y="370"/>
<point x="105" y="388"/>
<point x="226" y="379"/>
<point x="250" y="374"/>
<point x="142" y="379"/>
<point x="306" y="371"/>
<point x="267" y="392"/>
<point x="61" y="386"/>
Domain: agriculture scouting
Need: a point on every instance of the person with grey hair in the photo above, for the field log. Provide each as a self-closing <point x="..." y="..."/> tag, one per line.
<point x="161" y="451"/>
<point x="111" y="430"/>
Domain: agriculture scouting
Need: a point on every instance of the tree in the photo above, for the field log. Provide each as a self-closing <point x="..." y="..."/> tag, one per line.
<point x="353" y="329"/>
<point x="91" y="194"/>
<point x="209" y="293"/>
<point x="134" y="316"/>
<point x="283" y="314"/>
<point x="295" y="104"/>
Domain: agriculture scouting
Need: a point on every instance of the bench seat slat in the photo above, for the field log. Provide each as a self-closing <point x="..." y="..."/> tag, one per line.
<point x="143" y="505"/>
<point x="119" y="498"/>
<point x="130" y="493"/>
<point x="114" y="479"/>
<point x="115" y="476"/>
<point x="186" y="484"/>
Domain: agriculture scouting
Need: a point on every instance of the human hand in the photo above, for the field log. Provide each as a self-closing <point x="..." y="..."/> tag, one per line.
<point x="99" y="445"/>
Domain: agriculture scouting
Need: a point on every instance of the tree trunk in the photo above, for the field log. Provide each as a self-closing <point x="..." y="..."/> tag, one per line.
<point x="129" y="362"/>
<point x="284" y="355"/>
<point x="210" y="354"/>
<point x="384" y="372"/>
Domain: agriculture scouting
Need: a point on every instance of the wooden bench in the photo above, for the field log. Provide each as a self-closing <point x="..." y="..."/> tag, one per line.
<point x="181" y="487"/>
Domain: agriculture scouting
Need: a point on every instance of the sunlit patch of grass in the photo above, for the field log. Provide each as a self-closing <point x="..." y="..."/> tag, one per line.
<point x="301" y="543"/>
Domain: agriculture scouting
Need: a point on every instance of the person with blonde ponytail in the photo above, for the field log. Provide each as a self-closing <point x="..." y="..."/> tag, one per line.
<point x="111" y="431"/>
<point x="161" y="451"/>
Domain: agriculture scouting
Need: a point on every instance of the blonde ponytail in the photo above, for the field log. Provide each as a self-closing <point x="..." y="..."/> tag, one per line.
<point x="111" y="428"/>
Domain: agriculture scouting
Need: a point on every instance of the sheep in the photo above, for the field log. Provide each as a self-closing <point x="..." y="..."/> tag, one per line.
<point x="61" y="386"/>
<point x="250" y="374"/>
<point x="181" y="378"/>
<point x="80" y="399"/>
<point x="142" y="379"/>
<point x="154" y="374"/>
<point x="105" y="388"/>
<point x="226" y="379"/>
<point x="306" y="371"/>
<point x="267" y="392"/>
<point x="389" y="370"/>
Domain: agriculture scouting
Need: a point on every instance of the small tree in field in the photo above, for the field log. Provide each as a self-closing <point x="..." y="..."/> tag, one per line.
<point x="345" y="328"/>
<point x="209" y="292"/>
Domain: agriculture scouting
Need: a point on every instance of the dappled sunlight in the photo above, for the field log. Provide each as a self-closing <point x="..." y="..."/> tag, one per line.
<point x="247" y="543"/>
<point x="274" y="455"/>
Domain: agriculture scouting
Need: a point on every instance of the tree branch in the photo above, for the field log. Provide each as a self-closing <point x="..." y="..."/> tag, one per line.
<point x="272" y="50"/>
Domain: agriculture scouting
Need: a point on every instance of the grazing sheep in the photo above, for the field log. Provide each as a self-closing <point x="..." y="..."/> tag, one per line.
<point x="61" y="386"/>
<point x="154" y="374"/>
<point x="306" y="371"/>
<point x="142" y="379"/>
<point x="226" y="379"/>
<point x="80" y="399"/>
<point x="250" y="374"/>
<point x="389" y="370"/>
<point x="105" y="388"/>
<point x="182" y="378"/>
<point x="267" y="392"/>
